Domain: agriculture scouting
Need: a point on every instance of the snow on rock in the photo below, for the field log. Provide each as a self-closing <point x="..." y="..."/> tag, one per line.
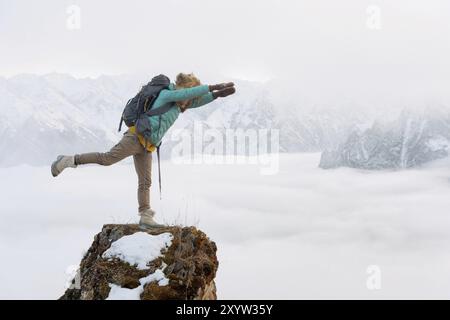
<point x="139" y="248"/>
<point x="124" y="262"/>
<point x="119" y="293"/>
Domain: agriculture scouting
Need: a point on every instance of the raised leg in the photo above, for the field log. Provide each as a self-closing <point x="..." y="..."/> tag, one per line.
<point x="127" y="146"/>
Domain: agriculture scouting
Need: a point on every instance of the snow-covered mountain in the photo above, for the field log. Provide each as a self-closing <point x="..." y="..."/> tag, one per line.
<point x="413" y="139"/>
<point x="43" y="116"/>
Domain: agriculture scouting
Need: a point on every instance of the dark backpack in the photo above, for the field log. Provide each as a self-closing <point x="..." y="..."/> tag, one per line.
<point x="140" y="107"/>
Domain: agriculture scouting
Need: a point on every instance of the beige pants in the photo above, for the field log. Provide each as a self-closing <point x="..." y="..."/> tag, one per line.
<point x="129" y="145"/>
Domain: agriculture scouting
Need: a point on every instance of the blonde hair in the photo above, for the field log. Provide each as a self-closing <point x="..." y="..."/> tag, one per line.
<point x="186" y="80"/>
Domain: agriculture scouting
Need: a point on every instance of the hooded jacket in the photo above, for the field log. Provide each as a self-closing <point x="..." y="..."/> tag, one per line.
<point x="161" y="124"/>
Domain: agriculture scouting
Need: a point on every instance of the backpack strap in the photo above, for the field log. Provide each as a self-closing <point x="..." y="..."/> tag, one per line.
<point x="154" y="112"/>
<point x="121" y="118"/>
<point x="120" y="123"/>
<point x="159" y="170"/>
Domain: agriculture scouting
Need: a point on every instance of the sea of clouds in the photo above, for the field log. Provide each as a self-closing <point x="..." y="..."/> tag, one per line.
<point x="302" y="233"/>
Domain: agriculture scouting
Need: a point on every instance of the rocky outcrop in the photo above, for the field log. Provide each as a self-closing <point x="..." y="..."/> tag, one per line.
<point x="124" y="262"/>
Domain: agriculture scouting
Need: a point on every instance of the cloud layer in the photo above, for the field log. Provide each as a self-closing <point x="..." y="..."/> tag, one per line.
<point x="303" y="233"/>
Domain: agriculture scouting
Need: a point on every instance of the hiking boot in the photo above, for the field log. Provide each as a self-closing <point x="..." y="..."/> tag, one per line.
<point x="61" y="163"/>
<point x="147" y="221"/>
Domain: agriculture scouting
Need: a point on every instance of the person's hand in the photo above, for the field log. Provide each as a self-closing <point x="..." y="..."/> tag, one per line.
<point x="224" y="92"/>
<point x="220" y="86"/>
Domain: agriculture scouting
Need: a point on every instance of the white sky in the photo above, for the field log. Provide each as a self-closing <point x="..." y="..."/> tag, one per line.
<point x="321" y="45"/>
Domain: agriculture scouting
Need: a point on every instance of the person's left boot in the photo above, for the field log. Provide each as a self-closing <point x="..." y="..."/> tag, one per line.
<point x="61" y="163"/>
<point x="147" y="221"/>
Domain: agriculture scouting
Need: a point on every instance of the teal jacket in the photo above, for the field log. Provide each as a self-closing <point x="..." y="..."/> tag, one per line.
<point x="172" y="95"/>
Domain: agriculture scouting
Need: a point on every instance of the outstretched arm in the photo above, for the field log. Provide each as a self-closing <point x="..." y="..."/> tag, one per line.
<point x="204" y="99"/>
<point x="207" y="98"/>
<point x="183" y="94"/>
<point x="190" y="93"/>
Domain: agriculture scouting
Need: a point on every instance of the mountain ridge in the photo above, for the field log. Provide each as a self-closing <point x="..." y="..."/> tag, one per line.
<point x="56" y="113"/>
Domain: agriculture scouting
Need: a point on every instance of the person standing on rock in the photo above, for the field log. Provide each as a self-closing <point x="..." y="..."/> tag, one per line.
<point x="186" y="93"/>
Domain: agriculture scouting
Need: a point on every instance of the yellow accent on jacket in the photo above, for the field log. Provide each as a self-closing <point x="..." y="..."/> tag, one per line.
<point x="150" y="147"/>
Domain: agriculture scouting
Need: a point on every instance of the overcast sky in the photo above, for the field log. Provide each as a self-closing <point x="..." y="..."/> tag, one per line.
<point x="318" y="44"/>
